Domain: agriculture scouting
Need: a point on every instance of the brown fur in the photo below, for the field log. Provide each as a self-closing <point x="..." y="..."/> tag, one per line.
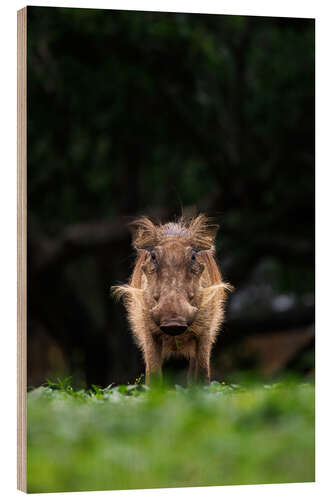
<point x="175" y="281"/>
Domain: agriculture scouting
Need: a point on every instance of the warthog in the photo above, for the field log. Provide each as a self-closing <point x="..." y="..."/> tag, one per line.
<point x="175" y="296"/>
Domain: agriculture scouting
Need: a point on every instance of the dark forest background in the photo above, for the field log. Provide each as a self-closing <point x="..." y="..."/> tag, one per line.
<point x="133" y="113"/>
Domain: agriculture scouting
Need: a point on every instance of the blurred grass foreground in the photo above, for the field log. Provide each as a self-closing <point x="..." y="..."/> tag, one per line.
<point x="133" y="437"/>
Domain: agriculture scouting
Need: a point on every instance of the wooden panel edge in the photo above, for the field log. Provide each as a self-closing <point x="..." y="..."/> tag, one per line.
<point x="22" y="249"/>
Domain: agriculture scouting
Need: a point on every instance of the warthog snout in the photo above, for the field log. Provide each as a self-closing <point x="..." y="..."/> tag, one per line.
<point x="173" y="314"/>
<point x="174" y="327"/>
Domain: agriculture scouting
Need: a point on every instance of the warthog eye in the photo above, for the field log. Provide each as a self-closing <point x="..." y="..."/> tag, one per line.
<point x="154" y="259"/>
<point x="195" y="265"/>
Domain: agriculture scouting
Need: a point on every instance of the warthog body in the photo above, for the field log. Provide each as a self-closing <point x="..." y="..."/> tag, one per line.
<point x="175" y="296"/>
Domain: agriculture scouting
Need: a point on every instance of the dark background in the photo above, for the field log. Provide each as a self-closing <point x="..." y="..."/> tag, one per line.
<point x="133" y="113"/>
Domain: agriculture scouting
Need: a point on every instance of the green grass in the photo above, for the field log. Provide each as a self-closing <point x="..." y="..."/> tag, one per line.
<point x="132" y="437"/>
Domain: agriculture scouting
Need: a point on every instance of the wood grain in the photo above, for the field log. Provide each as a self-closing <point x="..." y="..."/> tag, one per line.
<point x="22" y="249"/>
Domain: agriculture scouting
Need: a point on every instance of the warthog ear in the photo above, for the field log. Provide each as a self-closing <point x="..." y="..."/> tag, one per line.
<point x="202" y="232"/>
<point x="144" y="233"/>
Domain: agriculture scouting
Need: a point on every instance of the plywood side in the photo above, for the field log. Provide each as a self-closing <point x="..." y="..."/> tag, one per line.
<point x="22" y="249"/>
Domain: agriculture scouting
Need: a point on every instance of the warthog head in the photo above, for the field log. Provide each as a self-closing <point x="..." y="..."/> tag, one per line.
<point x="172" y="271"/>
<point x="169" y="273"/>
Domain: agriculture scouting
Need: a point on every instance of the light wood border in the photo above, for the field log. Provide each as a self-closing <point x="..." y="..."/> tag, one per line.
<point x="22" y="249"/>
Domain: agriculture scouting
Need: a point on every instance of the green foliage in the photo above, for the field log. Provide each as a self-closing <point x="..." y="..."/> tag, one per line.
<point x="134" y="437"/>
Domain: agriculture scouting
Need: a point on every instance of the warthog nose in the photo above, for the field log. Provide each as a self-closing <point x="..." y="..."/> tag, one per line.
<point x="173" y="328"/>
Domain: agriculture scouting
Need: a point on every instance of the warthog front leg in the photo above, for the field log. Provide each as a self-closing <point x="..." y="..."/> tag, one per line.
<point x="199" y="369"/>
<point x="153" y="360"/>
<point x="192" y="369"/>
